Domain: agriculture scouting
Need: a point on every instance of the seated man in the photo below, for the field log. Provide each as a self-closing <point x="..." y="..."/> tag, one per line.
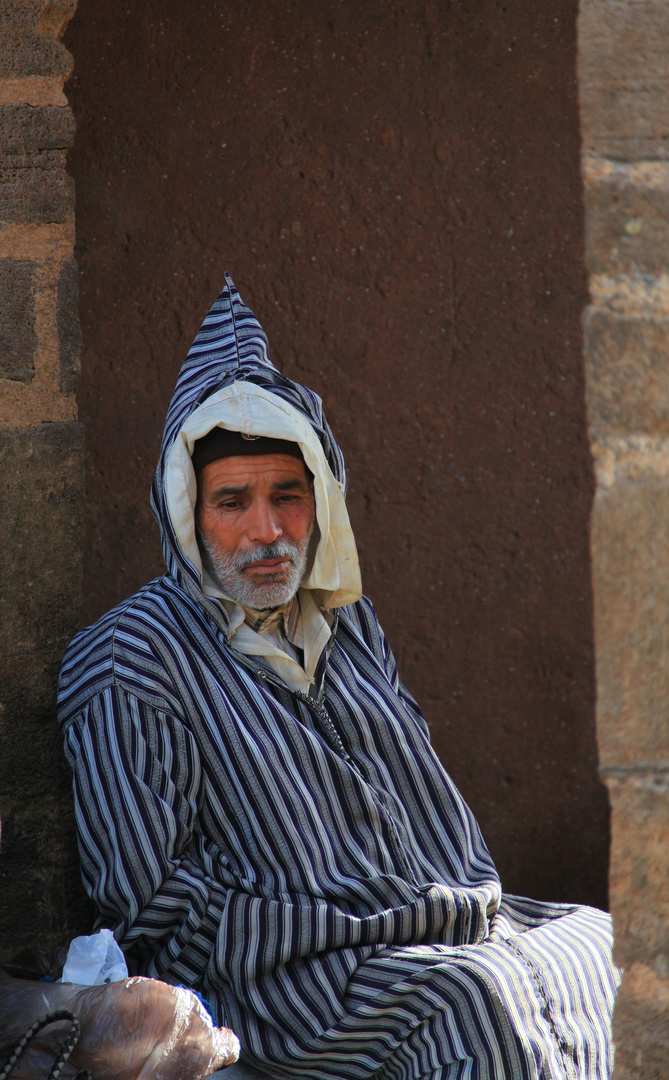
<point x="261" y="816"/>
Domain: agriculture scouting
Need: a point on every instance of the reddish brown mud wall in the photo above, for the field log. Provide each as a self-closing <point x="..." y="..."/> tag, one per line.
<point x="395" y="189"/>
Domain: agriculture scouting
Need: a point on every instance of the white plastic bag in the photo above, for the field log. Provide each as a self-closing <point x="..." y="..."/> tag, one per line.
<point x="94" y="960"/>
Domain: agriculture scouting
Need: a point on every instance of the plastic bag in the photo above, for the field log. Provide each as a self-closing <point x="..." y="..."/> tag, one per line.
<point x="94" y="960"/>
<point x="137" y="1029"/>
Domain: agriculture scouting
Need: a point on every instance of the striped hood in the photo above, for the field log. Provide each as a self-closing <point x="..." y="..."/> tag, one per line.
<point x="228" y="380"/>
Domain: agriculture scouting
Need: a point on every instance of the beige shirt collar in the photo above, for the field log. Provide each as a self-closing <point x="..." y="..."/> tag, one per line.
<point x="311" y="635"/>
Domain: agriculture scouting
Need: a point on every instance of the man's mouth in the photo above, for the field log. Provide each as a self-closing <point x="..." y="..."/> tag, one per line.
<point x="269" y="566"/>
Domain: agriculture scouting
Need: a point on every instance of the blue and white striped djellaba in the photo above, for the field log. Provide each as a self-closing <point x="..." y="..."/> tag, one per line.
<point x="305" y="862"/>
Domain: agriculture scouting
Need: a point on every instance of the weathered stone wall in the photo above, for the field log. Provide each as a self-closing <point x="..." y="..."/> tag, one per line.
<point x="41" y="475"/>
<point x="624" y="77"/>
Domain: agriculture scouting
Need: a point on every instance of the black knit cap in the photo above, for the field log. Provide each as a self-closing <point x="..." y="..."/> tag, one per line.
<point x="222" y="443"/>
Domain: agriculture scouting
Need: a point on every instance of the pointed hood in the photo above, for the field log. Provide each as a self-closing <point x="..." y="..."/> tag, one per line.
<point x="228" y="380"/>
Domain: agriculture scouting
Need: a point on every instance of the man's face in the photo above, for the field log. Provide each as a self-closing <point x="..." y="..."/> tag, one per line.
<point x="255" y="516"/>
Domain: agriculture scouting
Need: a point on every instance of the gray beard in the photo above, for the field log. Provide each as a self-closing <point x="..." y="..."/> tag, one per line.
<point x="227" y="570"/>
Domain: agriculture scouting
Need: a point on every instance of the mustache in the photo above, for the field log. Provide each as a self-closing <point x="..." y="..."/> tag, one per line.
<point x="278" y="550"/>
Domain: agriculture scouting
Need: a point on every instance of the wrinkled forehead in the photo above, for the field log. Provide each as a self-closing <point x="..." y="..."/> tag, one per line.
<point x="255" y="474"/>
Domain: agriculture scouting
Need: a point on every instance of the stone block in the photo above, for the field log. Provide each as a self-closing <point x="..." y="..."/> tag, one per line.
<point x="639" y="879"/>
<point x="28" y="133"/>
<point x="630" y="546"/>
<point x="623" y="70"/>
<point x="627" y="373"/>
<point x="35" y="90"/>
<point x="641" y="1026"/>
<point x="69" y="332"/>
<point x="41" y="477"/>
<point x="36" y="196"/>
<point x="28" y="31"/>
<point x="34" y="185"/>
<point x="18" y="339"/>
<point x="627" y="219"/>
<point x="54" y="17"/>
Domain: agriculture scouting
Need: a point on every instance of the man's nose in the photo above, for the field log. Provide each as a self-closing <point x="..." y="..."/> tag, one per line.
<point x="264" y="527"/>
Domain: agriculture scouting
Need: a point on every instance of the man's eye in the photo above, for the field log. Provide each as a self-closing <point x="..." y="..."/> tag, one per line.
<point x="229" y="504"/>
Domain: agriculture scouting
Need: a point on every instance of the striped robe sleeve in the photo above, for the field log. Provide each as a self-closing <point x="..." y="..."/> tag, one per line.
<point x="363" y="616"/>
<point x="137" y="780"/>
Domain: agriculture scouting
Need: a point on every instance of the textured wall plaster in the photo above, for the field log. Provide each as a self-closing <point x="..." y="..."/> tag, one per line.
<point x="396" y="192"/>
